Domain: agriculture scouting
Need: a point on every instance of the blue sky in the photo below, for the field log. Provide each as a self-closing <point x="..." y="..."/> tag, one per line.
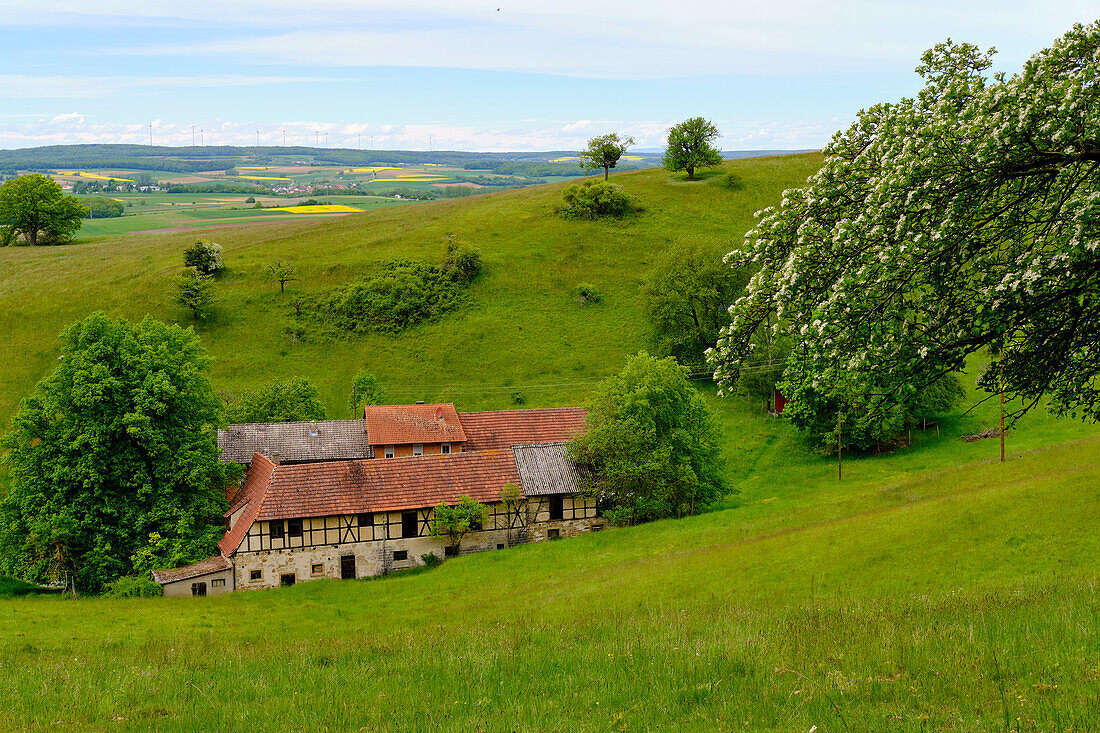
<point x="495" y="75"/>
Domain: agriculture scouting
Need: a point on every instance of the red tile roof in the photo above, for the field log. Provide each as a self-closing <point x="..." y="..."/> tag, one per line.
<point x="203" y="567"/>
<point x="350" y="487"/>
<point x="251" y="497"/>
<point x="405" y="424"/>
<point x="504" y="428"/>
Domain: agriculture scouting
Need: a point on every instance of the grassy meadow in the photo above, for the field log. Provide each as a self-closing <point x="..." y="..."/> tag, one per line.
<point x="523" y="332"/>
<point x="933" y="589"/>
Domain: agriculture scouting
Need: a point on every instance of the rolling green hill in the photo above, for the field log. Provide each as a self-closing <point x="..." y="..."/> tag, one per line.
<point x="522" y="328"/>
<point x="932" y="589"/>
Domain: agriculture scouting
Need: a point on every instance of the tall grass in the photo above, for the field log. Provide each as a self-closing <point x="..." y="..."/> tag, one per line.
<point x="964" y="601"/>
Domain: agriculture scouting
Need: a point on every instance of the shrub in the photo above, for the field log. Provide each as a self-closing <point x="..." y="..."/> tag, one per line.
<point x="430" y="560"/>
<point x="101" y="207"/>
<point x="130" y="587"/>
<point x="733" y="181"/>
<point x="586" y="293"/>
<point x="594" y="199"/>
<point x="518" y="398"/>
<point x="250" y="200"/>
<point x="204" y="256"/>
<point x="462" y="261"/>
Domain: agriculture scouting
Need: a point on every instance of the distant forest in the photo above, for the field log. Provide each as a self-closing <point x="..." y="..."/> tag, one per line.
<point x="224" y="157"/>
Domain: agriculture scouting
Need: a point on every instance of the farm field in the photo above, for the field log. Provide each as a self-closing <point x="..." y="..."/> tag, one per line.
<point x="155" y="212"/>
<point x="932" y="589"/>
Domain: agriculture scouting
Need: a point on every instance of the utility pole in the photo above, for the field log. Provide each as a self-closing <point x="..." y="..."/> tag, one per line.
<point x="1002" y="420"/>
<point x="150" y="134"/>
<point x="192" y="136"/>
<point x="284" y="137"/>
<point x="839" y="450"/>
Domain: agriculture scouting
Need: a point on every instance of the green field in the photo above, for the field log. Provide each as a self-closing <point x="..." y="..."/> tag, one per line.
<point x="933" y="589"/>
<point x="523" y="331"/>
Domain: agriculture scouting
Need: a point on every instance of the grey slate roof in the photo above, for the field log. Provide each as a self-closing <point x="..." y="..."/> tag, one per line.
<point x="295" y="442"/>
<point x="545" y="468"/>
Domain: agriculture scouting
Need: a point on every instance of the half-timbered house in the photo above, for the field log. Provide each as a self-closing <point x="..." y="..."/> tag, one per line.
<point x="298" y="520"/>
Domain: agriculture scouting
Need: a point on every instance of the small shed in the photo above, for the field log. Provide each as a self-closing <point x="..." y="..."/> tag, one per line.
<point x="210" y="577"/>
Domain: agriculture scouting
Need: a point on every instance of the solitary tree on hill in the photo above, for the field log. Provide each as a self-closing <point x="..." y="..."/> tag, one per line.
<point x="604" y="152"/>
<point x="689" y="146"/>
<point x="33" y="205"/>
<point x="282" y="271"/>
<point x="195" y="292"/>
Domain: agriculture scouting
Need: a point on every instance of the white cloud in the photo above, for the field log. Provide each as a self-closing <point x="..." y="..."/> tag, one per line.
<point x="73" y="128"/>
<point x="610" y="38"/>
<point x="24" y="86"/>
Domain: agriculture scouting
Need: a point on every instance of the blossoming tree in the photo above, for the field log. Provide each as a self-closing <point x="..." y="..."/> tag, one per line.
<point x="966" y="219"/>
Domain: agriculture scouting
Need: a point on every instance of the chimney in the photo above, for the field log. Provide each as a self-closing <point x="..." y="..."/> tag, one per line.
<point x="275" y="457"/>
<point x="420" y="402"/>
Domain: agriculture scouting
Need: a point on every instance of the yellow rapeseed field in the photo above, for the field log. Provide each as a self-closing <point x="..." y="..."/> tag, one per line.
<point x="414" y="178"/>
<point x="82" y="174"/>
<point x="319" y="209"/>
<point x="566" y="159"/>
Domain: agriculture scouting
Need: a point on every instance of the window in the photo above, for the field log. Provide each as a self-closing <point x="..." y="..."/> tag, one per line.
<point x="553" y="534"/>
<point x="409" y="524"/>
<point x="256" y="575"/>
<point x="500" y="545"/>
<point x="399" y="555"/>
<point x="418" y="450"/>
<point x="445" y="449"/>
<point x="389" y="451"/>
<point x="366" y="520"/>
<point x="294" y="528"/>
<point x="557" y="507"/>
<point x="449" y="551"/>
<point x="317" y="568"/>
<point x="217" y="583"/>
<point x="276" y="529"/>
<point x="198" y="589"/>
<point x="286" y="579"/>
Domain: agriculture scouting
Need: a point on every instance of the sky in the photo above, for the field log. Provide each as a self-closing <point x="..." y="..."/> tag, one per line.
<point x="499" y="75"/>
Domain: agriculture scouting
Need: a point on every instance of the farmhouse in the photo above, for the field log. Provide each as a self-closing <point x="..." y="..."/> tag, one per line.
<point x="356" y="498"/>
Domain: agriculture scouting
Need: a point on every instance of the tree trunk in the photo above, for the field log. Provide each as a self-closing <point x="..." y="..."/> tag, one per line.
<point x="282" y="287"/>
<point x="691" y="173"/>
<point x="606" y="172"/>
<point x="32" y="236"/>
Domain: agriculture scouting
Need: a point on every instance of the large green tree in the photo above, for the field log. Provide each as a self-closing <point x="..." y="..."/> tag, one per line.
<point x="604" y="151"/>
<point x="651" y="447"/>
<point x="964" y="219"/>
<point x="284" y="400"/>
<point x="453" y="523"/>
<point x="687" y="296"/>
<point x="34" y="205"/>
<point x="113" y="451"/>
<point x="689" y="146"/>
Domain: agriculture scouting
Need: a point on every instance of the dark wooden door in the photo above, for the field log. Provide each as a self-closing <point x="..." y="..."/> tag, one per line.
<point x="347" y="567"/>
